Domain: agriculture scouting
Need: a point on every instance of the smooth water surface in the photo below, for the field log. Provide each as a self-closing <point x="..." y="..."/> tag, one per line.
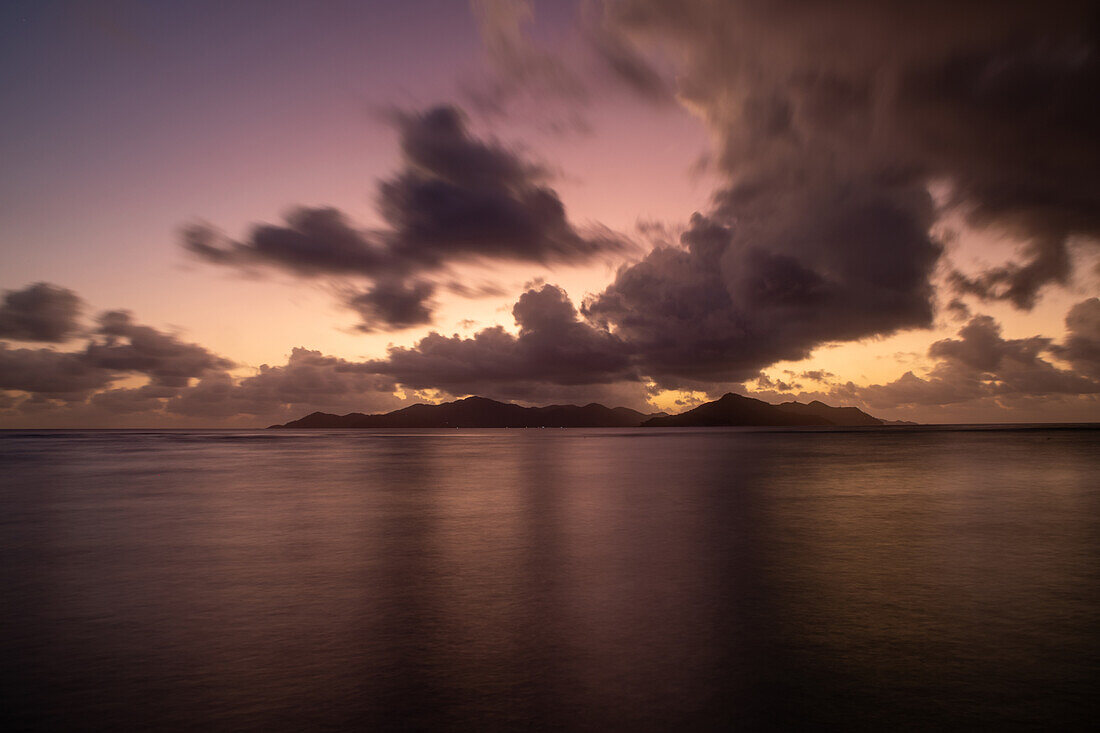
<point x="550" y="579"/>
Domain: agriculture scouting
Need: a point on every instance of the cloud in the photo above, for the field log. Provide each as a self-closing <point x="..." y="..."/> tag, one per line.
<point x="309" y="381"/>
<point x="1082" y="345"/>
<point x="483" y="289"/>
<point x="553" y="347"/>
<point x="1048" y="262"/>
<point x="520" y="65"/>
<point x="40" y="312"/>
<point x="982" y="364"/>
<point x="126" y="346"/>
<point x="763" y="381"/>
<point x="800" y="267"/>
<point x="629" y="66"/>
<point x="314" y="241"/>
<point x="995" y="101"/>
<point x="116" y="348"/>
<point x="456" y="199"/>
<point x="185" y="381"/>
<point x="394" y="304"/>
<point x="49" y="374"/>
<point x="147" y="398"/>
<point x="555" y="85"/>
<point x="65" y="390"/>
<point x="556" y="356"/>
<point x="958" y="309"/>
<point x="460" y="198"/>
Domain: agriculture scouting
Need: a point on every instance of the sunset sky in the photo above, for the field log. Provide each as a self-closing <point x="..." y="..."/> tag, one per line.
<point x="235" y="214"/>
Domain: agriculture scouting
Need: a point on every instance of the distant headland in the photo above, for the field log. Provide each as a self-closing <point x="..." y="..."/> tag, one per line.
<point x="480" y="412"/>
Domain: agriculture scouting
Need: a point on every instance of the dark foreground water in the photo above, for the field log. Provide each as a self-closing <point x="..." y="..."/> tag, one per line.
<point x="550" y="579"/>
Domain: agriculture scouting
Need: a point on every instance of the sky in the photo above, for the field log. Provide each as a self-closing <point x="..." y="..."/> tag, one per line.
<point x="235" y="214"/>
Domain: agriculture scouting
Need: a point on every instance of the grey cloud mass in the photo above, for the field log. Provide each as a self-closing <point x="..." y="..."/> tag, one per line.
<point x="461" y="198"/>
<point x="396" y="303"/>
<point x="308" y="381"/>
<point x="1081" y="347"/>
<point x="555" y="355"/>
<point x="116" y="348"/>
<point x="126" y="346"/>
<point x="183" y="380"/>
<point x="798" y="269"/>
<point x="554" y="346"/>
<point x="314" y="241"/>
<point x="994" y="100"/>
<point x="49" y="374"/>
<point x="982" y="364"/>
<point x="40" y="312"/>
<point x="456" y="199"/>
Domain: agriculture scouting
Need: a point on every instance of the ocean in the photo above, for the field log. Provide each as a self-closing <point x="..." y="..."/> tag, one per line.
<point x="872" y="579"/>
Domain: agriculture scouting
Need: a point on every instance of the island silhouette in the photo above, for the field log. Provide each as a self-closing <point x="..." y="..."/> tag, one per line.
<point x="481" y="412"/>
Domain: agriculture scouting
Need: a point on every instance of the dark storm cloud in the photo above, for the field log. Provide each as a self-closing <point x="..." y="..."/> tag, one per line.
<point x="1082" y="345"/>
<point x="461" y="198"/>
<point x="393" y="304"/>
<point x="1048" y="261"/>
<point x="39" y="312"/>
<point x="314" y="241"/>
<point x="51" y="374"/>
<point x="810" y="265"/>
<point x="981" y="363"/>
<point x="117" y="347"/>
<point x="456" y="199"/>
<point x="553" y="347"/>
<point x="133" y="400"/>
<point x="799" y="269"/>
<point x="982" y="348"/>
<point x="184" y="379"/>
<point x="308" y="381"/>
<point x="126" y="346"/>
<point x="996" y="100"/>
<point x="65" y="386"/>
<point x="831" y="121"/>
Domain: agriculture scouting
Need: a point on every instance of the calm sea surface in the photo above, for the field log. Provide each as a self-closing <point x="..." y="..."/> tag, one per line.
<point x="550" y="579"/>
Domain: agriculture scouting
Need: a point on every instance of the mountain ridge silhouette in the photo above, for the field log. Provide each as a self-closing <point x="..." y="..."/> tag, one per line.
<point x="482" y="412"/>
